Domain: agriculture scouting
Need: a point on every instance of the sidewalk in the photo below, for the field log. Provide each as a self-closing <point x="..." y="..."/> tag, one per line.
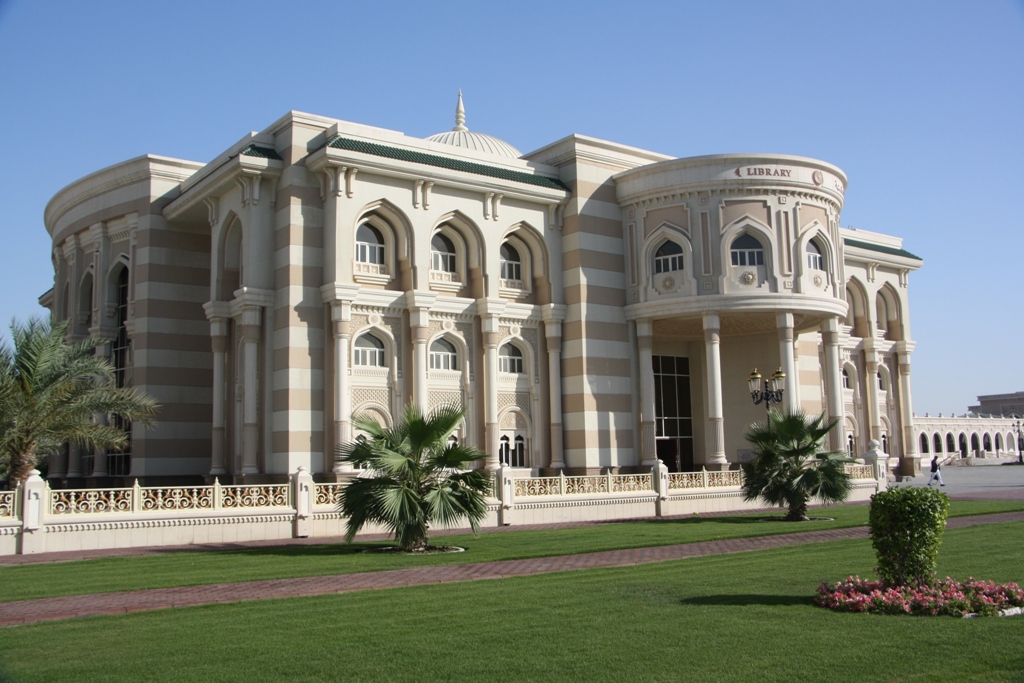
<point x="51" y="609"/>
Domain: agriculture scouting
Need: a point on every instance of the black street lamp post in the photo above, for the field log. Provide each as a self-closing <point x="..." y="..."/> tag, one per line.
<point x="772" y="391"/>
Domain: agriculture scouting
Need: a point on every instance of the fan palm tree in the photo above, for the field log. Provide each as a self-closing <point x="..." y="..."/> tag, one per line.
<point x="415" y="477"/>
<point x="791" y="466"/>
<point x="50" y="392"/>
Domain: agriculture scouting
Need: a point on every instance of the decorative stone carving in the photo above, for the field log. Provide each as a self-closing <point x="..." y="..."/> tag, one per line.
<point x="748" y="278"/>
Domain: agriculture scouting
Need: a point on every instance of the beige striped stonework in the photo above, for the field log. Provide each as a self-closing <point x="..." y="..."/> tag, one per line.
<point x="298" y="399"/>
<point x="166" y="256"/>
<point x="299" y="380"/>
<point x="594" y="295"/>
<point x="612" y="367"/>
<point x="302" y="313"/>
<point x="158" y="325"/>
<point x="169" y="358"/>
<point x="298" y="420"/>
<point x="169" y="309"/>
<point x="606" y="403"/>
<point x="172" y="274"/>
<point x="301" y="446"/>
<point x="173" y="342"/>
<point x="82" y="218"/>
<point x="293" y="357"/>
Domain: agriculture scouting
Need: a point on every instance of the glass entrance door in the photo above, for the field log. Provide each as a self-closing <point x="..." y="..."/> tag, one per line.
<point x="673" y="415"/>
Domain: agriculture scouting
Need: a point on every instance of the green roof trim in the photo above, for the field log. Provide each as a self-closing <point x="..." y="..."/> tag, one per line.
<point x="339" y="142"/>
<point x="261" y="152"/>
<point x="892" y="251"/>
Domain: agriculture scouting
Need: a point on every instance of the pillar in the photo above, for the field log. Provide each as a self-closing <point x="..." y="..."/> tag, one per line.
<point x="553" y="337"/>
<point x="99" y="460"/>
<point x="645" y="349"/>
<point x="74" y="461"/>
<point x="871" y="397"/>
<point x="834" y="383"/>
<point x="787" y="359"/>
<point x="250" y="334"/>
<point x="716" y="421"/>
<point x="420" y="322"/>
<point x="219" y="342"/>
<point x="489" y="325"/>
<point x="911" y="462"/>
<point x="341" y="317"/>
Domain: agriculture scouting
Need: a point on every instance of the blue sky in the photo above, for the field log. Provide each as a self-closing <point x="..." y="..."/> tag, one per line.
<point x="921" y="103"/>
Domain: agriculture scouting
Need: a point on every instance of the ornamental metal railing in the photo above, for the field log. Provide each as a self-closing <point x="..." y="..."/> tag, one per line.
<point x="168" y="498"/>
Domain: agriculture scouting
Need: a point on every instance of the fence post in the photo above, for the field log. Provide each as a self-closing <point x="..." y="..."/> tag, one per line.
<point x="136" y="496"/>
<point x="302" y="495"/>
<point x="561" y="483"/>
<point x="608" y="478"/>
<point x="216" y="493"/>
<point x="506" y="494"/>
<point x="659" y="482"/>
<point x="34" y="498"/>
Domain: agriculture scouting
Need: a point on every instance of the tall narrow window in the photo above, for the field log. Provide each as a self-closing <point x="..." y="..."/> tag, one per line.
<point x="511" y="264"/>
<point x="814" y="258"/>
<point x="846" y="379"/>
<point x="849" y="445"/>
<point x="119" y="463"/>
<point x="510" y="359"/>
<point x="668" y="258"/>
<point x="747" y="251"/>
<point x="881" y="382"/>
<point x="369" y="245"/>
<point x="369" y="352"/>
<point x="443" y="356"/>
<point x="442" y="254"/>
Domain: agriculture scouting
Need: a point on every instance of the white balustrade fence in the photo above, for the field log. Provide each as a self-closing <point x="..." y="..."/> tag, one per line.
<point x="35" y="518"/>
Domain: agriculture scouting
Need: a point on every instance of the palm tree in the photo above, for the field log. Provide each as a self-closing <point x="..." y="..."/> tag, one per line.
<point x="50" y="392"/>
<point x="416" y="477"/>
<point x="791" y="466"/>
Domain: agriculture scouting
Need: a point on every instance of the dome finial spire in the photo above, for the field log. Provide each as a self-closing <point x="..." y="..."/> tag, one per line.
<point x="460" y="115"/>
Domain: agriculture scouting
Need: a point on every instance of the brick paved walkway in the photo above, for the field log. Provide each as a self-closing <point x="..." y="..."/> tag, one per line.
<point x="50" y="609"/>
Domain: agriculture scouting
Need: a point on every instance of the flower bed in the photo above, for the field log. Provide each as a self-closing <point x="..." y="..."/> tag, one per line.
<point x="941" y="598"/>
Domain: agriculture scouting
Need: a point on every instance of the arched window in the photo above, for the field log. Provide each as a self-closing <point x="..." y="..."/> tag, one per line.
<point x="369" y="245"/>
<point x="881" y="382"/>
<point x="885" y="443"/>
<point x="937" y="442"/>
<point x="924" y="443"/>
<point x="975" y="445"/>
<point x="814" y="258"/>
<point x="950" y="443"/>
<point x="987" y="442"/>
<point x="846" y="379"/>
<point x="369" y="352"/>
<point x="747" y="251"/>
<point x="999" y="442"/>
<point x="849" y="445"/>
<point x="510" y="359"/>
<point x="511" y="264"/>
<point x="443" y="356"/>
<point x="963" y="445"/>
<point x="442" y="254"/>
<point x="512" y="452"/>
<point x="668" y="258"/>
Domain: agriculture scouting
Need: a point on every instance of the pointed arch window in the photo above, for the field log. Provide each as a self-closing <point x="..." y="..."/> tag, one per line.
<point x="443" y="356"/>
<point x="937" y="442"/>
<point x="815" y="261"/>
<point x="846" y="379"/>
<point x="442" y="254"/>
<point x="369" y="352"/>
<point x="668" y="258"/>
<point x="512" y="452"/>
<point x="747" y="251"/>
<point x="369" y="245"/>
<point x="511" y="263"/>
<point x="510" y="359"/>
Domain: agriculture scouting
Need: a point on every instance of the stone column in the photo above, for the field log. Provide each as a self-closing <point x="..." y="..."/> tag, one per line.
<point x="871" y="395"/>
<point x="219" y="340"/>
<point x="553" y="337"/>
<point x="250" y="334"/>
<point x="787" y="359"/>
<point x="489" y="325"/>
<point x="834" y="383"/>
<point x="74" y="461"/>
<point x="420" y="323"/>
<point x="911" y="461"/>
<point x="341" y="317"/>
<point x="99" y="459"/>
<point x="645" y="349"/>
<point x="716" y="459"/>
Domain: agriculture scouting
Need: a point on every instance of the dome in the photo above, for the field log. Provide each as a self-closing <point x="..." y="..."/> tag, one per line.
<point x="460" y="136"/>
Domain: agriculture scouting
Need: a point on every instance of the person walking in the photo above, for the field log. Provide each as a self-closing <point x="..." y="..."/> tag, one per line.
<point x="936" y="472"/>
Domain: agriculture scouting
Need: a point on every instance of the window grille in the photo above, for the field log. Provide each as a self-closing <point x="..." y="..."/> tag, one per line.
<point x="668" y="258"/>
<point x="510" y="359"/>
<point x="369" y="352"/>
<point x="747" y="251"/>
<point x="443" y="356"/>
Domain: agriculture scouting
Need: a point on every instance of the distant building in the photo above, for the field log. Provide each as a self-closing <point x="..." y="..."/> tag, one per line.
<point x="593" y="306"/>
<point x="1000" y="404"/>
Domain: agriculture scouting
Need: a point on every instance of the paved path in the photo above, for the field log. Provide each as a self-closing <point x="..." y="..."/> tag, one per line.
<point x="50" y="609"/>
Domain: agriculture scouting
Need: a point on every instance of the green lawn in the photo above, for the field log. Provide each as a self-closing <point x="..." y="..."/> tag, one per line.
<point x="744" y="617"/>
<point x="194" y="568"/>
